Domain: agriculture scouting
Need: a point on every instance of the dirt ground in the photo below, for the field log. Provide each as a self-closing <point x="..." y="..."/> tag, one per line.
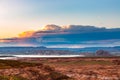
<point x="89" y="68"/>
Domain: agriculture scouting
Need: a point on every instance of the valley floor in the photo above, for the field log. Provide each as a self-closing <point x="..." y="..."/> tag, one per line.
<point x="82" y="68"/>
<point x="107" y="68"/>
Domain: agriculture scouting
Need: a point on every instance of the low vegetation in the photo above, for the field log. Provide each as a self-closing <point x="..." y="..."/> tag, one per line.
<point x="12" y="78"/>
<point x="78" y="62"/>
<point x="61" y="69"/>
<point x="19" y="70"/>
<point x="5" y="64"/>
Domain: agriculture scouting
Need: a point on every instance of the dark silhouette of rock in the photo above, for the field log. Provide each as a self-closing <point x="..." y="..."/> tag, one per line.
<point x="103" y="53"/>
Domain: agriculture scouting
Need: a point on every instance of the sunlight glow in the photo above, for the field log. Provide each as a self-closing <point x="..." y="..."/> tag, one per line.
<point x="26" y="34"/>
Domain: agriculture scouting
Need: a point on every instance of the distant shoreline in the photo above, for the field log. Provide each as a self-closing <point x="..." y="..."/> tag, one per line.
<point x="39" y="56"/>
<point x="15" y="57"/>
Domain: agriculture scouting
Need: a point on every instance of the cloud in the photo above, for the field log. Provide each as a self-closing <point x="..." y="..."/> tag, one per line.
<point x="51" y="27"/>
<point x="52" y="35"/>
<point x="69" y="29"/>
<point x="26" y="34"/>
<point x="81" y="28"/>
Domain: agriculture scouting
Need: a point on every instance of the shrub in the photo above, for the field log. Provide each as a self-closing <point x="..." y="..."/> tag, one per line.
<point x="58" y="76"/>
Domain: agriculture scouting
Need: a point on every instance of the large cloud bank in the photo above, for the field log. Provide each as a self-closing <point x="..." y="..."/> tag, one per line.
<point x="66" y="36"/>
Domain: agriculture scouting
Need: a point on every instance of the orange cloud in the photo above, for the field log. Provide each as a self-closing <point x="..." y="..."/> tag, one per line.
<point x="2" y="41"/>
<point x="26" y="34"/>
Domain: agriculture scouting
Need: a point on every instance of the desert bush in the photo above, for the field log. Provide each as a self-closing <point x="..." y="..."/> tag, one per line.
<point x="16" y="64"/>
<point x="58" y="76"/>
<point x="48" y="68"/>
<point x="116" y="62"/>
<point x="12" y="78"/>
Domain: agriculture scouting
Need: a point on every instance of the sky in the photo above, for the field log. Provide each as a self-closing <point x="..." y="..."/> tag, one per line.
<point x="18" y="16"/>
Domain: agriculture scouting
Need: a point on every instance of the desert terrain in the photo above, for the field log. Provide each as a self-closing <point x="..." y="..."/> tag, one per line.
<point x="85" y="68"/>
<point x="90" y="68"/>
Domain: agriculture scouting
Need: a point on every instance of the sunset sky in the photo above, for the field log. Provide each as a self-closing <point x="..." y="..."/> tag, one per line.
<point x="17" y="16"/>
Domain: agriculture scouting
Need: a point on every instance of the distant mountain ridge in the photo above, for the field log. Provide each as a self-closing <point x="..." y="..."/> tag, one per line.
<point x="44" y="50"/>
